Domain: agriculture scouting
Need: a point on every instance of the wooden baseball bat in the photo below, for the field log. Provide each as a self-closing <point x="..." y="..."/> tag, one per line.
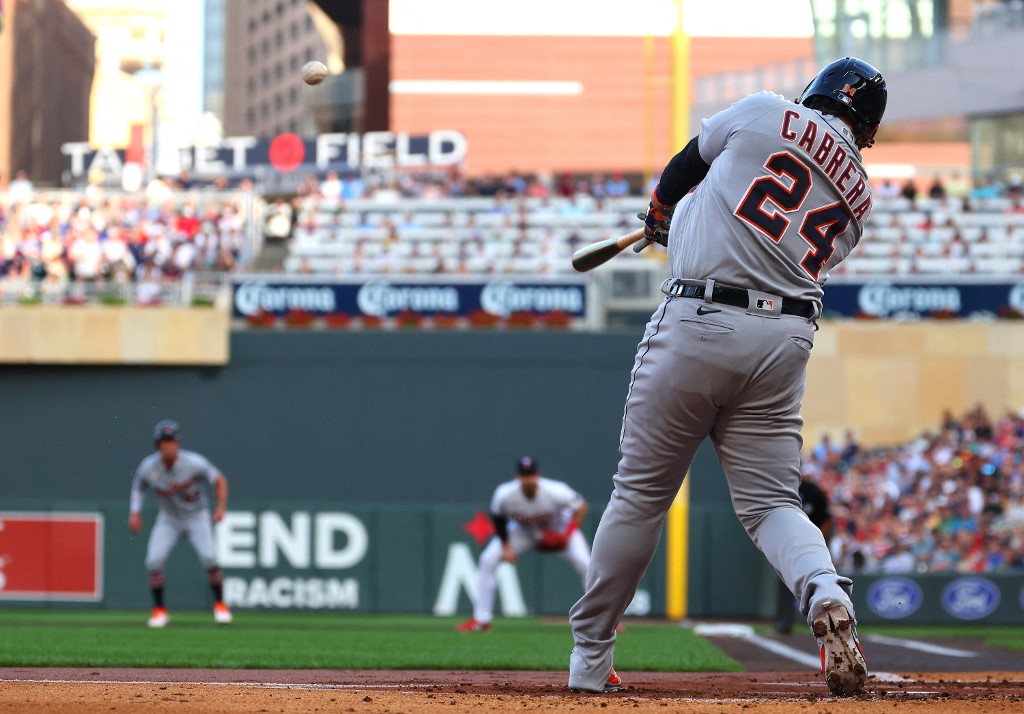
<point x="590" y="256"/>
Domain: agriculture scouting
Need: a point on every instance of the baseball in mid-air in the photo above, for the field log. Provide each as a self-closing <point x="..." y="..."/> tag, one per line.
<point x="314" y="72"/>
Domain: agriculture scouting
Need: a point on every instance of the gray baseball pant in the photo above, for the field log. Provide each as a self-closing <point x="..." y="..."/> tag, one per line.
<point x="733" y="374"/>
<point x="168" y="530"/>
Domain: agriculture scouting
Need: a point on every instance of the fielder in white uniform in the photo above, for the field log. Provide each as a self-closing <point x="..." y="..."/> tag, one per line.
<point x="177" y="478"/>
<point x="768" y="198"/>
<point x="529" y="512"/>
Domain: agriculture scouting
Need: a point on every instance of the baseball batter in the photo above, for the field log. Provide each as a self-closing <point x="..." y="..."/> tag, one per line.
<point x="177" y="478"/>
<point x="529" y="512"/>
<point x="775" y="197"/>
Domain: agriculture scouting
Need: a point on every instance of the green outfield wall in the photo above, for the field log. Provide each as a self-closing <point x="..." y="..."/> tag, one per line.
<point x="409" y="432"/>
<point x="313" y="556"/>
<point x="286" y="556"/>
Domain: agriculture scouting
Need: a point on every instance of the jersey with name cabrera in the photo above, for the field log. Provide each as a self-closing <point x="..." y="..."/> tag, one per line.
<point x="178" y="488"/>
<point x="551" y="507"/>
<point x="793" y="177"/>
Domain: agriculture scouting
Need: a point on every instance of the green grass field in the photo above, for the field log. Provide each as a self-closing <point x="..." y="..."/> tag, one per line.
<point x="318" y="641"/>
<point x="68" y="638"/>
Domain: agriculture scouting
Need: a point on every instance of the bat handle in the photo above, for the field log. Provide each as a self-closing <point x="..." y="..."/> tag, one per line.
<point x="640" y="245"/>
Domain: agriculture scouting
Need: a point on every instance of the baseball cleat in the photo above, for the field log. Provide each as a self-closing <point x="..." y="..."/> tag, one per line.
<point x="159" y="617"/>
<point x="221" y="613"/>
<point x="472" y="625"/>
<point x="612" y="684"/>
<point x="842" y="659"/>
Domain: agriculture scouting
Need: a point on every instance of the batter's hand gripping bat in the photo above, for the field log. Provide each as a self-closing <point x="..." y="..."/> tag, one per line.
<point x="590" y="256"/>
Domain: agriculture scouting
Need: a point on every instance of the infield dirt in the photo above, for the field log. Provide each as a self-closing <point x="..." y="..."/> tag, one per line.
<point x="391" y="691"/>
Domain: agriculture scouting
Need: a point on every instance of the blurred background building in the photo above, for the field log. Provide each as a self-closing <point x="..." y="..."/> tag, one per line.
<point x="562" y="89"/>
<point x="46" y="73"/>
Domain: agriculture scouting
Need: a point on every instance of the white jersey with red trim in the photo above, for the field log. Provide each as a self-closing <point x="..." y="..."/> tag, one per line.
<point x="551" y="507"/>
<point x="794" y="179"/>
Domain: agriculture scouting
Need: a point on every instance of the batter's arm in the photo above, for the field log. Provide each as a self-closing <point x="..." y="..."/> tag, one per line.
<point x="684" y="171"/>
<point x="220" y="489"/>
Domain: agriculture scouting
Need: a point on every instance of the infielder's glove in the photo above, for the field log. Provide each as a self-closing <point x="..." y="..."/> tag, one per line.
<point x="551" y="540"/>
<point x="657" y="219"/>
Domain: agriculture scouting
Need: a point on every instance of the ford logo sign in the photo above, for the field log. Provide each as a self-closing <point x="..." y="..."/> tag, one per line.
<point x="895" y="597"/>
<point x="970" y="598"/>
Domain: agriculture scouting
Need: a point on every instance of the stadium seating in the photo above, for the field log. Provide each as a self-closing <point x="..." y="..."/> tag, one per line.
<point x="523" y="235"/>
<point x="453" y="235"/>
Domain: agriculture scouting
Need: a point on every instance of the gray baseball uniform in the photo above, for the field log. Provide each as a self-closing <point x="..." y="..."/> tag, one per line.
<point x="183" y="506"/>
<point x="783" y="202"/>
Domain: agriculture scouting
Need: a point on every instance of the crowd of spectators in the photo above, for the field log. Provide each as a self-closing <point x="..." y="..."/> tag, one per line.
<point x="384" y="188"/>
<point x="68" y="238"/>
<point x="956" y="186"/>
<point x="453" y="184"/>
<point x="947" y="502"/>
<point x="392" y="222"/>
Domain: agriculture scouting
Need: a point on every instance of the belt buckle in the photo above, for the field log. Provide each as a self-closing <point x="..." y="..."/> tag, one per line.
<point x="672" y="287"/>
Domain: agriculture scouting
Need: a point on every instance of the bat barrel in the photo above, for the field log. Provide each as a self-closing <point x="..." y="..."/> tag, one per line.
<point x="591" y="256"/>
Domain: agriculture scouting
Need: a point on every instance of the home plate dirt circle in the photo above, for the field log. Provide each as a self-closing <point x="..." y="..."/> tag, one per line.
<point x="196" y="690"/>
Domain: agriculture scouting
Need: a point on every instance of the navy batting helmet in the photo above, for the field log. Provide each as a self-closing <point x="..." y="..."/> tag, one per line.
<point x="165" y="429"/>
<point x="852" y="89"/>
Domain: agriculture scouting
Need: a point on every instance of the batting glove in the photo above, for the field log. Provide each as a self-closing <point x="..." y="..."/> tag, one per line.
<point x="657" y="219"/>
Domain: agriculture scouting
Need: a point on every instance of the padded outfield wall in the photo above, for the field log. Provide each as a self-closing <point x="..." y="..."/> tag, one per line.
<point x="405" y="433"/>
<point x="361" y="464"/>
